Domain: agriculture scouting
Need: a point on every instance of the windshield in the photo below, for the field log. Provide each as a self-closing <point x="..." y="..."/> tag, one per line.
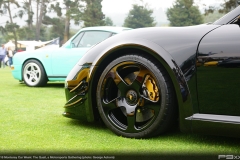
<point x="229" y="17"/>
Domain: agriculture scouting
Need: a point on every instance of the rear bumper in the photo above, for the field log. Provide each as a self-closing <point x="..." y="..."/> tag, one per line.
<point x="17" y="72"/>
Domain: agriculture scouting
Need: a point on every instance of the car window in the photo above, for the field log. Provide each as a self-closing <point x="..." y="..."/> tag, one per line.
<point x="91" y="38"/>
<point x="76" y="40"/>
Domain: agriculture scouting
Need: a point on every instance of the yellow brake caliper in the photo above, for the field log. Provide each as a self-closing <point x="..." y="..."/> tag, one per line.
<point x="151" y="88"/>
<point x="151" y="92"/>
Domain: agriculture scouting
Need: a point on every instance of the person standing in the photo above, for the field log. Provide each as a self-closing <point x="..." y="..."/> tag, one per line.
<point x="10" y="55"/>
<point x="2" y="56"/>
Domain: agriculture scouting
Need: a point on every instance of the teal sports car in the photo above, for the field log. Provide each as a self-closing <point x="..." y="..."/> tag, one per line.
<point x="38" y="67"/>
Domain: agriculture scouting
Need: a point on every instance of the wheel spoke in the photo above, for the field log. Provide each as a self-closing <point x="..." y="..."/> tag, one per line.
<point x="28" y="72"/>
<point x="109" y="92"/>
<point x="122" y="89"/>
<point x="36" y="75"/>
<point x="154" y="108"/>
<point x="107" y="107"/>
<point x="122" y="102"/>
<point x="32" y="68"/>
<point x="36" y="71"/>
<point x="127" y="72"/>
<point x="131" y="123"/>
<point x="32" y="79"/>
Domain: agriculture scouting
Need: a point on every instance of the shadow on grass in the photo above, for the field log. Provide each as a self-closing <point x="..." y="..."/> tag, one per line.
<point x="55" y="85"/>
<point x="90" y="125"/>
<point x="202" y="140"/>
<point x="215" y="140"/>
<point x="48" y="85"/>
<point x="174" y="134"/>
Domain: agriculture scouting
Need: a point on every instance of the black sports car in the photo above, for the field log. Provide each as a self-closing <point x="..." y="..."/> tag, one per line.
<point x="141" y="82"/>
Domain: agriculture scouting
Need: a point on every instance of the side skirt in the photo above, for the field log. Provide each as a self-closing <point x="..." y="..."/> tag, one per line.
<point x="215" y="124"/>
<point x="57" y="78"/>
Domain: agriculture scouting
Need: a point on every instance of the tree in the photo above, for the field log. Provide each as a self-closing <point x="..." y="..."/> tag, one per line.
<point x="2" y="30"/>
<point x="184" y="13"/>
<point x="25" y="34"/>
<point x="73" y="12"/>
<point x="10" y="26"/>
<point x="1" y="37"/>
<point x="57" y="27"/>
<point x="27" y="9"/>
<point x="139" y="16"/>
<point x="108" y="21"/>
<point x="40" y="11"/>
<point x="93" y="15"/>
<point x="212" y="17"/>
<point x="225" y="7"/>
<point x="40" y="16"/>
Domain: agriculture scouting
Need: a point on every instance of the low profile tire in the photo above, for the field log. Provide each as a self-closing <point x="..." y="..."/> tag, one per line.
<point x="135" y="97"/>
<point x="34" y="74"/>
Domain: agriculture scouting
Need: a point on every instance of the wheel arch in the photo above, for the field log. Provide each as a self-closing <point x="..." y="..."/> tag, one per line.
<point x="155" y="51"/>
<point x="24" y="62"/>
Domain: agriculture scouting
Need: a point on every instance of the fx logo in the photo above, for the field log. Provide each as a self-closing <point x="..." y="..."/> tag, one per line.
<point x="228" y="157"/>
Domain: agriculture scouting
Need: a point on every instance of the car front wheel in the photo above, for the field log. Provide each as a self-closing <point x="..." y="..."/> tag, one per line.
<point x="135" y="97"/>
<point x="34" y="74"/>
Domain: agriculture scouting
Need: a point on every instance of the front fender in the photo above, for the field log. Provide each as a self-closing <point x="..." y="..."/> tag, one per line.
<point x="108" y="51"/>
<point x="18" y="63"/>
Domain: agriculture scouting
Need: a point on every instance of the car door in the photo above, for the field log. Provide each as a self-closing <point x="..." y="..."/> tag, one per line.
<point x="64" y="60"/>
<point x="218" y="71"/>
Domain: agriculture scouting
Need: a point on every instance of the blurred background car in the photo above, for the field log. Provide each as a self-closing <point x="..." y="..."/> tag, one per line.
<point x="38" y="67"/>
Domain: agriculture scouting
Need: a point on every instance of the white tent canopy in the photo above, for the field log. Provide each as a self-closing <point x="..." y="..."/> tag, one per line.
<point x="31" y="45"/>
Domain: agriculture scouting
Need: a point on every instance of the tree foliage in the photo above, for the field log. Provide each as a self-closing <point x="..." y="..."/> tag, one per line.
<point x="93" y="15"/>
<point x="139" y="16"/>
<point x="25" y="34"/>
<point x="39" y="11"/>
<point x="184" y="13"/>
<point x="40" y="15"/>
<point x="10" y="27"/>
<point x="108" y="21"/>
<point x="26" y="9"/>
<point x="225" y="7"/>
<point x="212" y="17"/>
<point x="57" y="27"/>
<point x="73" y="11"/>
<point x="2" y="30"/>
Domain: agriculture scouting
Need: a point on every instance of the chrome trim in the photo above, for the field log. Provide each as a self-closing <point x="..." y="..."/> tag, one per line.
<point x="214" y="118"/>
<point x="76" y="87"/>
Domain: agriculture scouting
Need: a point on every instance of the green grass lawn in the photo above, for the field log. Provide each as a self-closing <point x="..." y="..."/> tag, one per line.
<point x="31" y="122"/>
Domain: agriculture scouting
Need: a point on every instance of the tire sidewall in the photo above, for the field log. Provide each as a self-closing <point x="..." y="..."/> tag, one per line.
<point x="42" y="79"/>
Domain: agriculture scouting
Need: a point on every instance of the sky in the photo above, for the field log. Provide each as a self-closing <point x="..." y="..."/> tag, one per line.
<point x="117" y="10"/>
<point x="125" y="5"/>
